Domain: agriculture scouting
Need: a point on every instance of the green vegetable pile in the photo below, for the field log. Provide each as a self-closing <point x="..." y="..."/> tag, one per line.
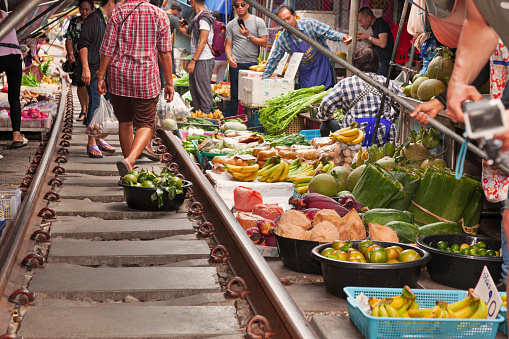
<point x="164" y="182"/>
<point x="281" y="110"/>
<point x="286" y="140"/>
<point x="188" y="146"/>
<point x="29" y="80"/>
<point x="45" y="68"/>
<point x="182" y="81"/>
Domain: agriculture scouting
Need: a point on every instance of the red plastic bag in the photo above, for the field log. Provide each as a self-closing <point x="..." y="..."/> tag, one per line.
<point x="246" y="198"/>
<point x="268" y="211"/>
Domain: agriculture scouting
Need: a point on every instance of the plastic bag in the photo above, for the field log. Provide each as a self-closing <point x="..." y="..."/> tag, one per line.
<point x="104" y="121"/>
<point x="178" y="107"/>
<point x="167" y="118"/>
<point x="246" y="198"/>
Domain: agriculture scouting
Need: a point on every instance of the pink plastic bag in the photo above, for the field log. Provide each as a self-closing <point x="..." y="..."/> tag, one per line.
<point x="246" y="198"/>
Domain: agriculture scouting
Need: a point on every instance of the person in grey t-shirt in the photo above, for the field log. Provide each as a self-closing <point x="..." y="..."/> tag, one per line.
<point x="243" y="44"/>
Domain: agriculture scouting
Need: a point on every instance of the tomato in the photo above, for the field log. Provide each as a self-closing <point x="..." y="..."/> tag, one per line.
<point x="147" y="183"/>
<point x="337" y="244"/>
<point x="328" y="251"/>
<point x="463" y="246"/>
<point x="392" y="253"/>
<point x="442" y="245"/>
<point x="330" y="256"/>
<point x="130" y="178"/>
<point x="363" y="246"/>
<point x="378" y="256"/>
<point x="408" y="255"/>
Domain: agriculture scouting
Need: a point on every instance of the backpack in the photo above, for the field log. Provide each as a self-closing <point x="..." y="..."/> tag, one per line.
<point x="219" y="38"/>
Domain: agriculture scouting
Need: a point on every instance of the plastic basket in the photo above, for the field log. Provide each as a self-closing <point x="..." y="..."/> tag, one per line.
<point x="310" y="134"/>
<point x="387" y="328"/>
<point x="242" y="117"/>
<point x="503" y="314"/>
<point x="10" y="201"/>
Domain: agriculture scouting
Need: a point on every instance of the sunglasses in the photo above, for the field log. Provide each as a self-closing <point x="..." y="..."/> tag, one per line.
<point x="240" y="5"/>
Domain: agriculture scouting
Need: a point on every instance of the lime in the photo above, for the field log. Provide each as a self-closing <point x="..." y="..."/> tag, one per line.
<point x="473" y="251"/>
<point x="134" y="172"/>
<point x="465" y="251"/>
<point x="147" y="183"/>
<point x="176" y="181"/>
<point x="481" y="244"/>
<point x="442" y="245"/>
<point x="482" y="251"/>
<point x="328" y="251"/>
<point x="448" y="249"/>
<point x="130" y="178"/>
<point x="455" y="247"/>
<point x="476" y="246"/>
<point x="456" y="251"/>
<point x="490" y="253"/>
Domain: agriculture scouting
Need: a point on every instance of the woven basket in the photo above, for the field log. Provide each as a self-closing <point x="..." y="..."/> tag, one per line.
<point x="295" y="126"/>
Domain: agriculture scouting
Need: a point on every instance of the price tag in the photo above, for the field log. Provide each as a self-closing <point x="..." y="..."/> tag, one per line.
<point x="487" y="290"/>
<point x="293" y="66"/>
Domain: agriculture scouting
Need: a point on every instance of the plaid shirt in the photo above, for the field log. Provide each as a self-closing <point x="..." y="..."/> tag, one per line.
<point x="313" y="28"/>
<point x="133" y="47"/>
<point x="344" y="93"/>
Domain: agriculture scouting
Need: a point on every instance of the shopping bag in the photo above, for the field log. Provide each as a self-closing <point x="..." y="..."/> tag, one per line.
<point x="178" y="107"/>
<point x="103" y="121"/>
<point x="166" y="117"/>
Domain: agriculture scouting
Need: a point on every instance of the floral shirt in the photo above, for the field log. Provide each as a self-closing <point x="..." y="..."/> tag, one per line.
<point x="73" y="33"/>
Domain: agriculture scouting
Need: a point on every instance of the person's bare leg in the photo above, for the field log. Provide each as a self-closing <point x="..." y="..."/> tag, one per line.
<point x="142" y="136"/>
<point x="91" y="142"/>
<point x="148" y="146"/>
<point x="83" y="98"/>
<point x="16" y="136"/>
<point x="125" y="136"/>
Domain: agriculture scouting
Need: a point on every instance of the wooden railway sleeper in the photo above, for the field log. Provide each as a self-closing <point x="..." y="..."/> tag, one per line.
<point x="264" y="330"/>
<point x="236" y="288"/>
<point x="222" y="257"/>
<point x="33" y="261"/>
<point x="21" y="296"/>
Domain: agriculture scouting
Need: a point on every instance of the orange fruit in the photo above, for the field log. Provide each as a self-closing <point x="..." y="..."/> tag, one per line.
<point x="392" y="253"/>
<point x="392" y="261"/>
<point x="378" y="256"/>
<point x="408" y="255"/>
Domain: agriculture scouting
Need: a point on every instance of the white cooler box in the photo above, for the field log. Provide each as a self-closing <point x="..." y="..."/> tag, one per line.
<point x="246" y="73"/>
<point x="256" y="90"/>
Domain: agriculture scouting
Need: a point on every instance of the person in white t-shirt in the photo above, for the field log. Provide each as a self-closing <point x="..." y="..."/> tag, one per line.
<point x="201" y="66"/>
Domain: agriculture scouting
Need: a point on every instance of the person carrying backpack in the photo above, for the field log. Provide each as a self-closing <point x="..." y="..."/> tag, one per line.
<point x="201" y="66"/>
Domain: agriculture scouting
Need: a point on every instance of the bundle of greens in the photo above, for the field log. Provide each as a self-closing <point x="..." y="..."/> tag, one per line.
<point x="286" y="140"/>
<point x="182" y="81"/>
<point x="45" y="68"/>
<point x="29" y="80"/>
<point x="281" y="110"/>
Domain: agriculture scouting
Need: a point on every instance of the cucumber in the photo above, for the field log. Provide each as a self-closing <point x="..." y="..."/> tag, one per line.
<point x="407" y="233"/>
<point x="382" y="216"/>
<point x="441" y="228"/>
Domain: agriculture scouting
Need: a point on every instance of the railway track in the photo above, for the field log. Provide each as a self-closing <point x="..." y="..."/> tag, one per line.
<point x="79" y="263"/>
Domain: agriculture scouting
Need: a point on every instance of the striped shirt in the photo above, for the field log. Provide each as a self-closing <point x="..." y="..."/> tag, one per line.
<point x="133" y="47"/>
<point x="344" y="93"/>
<point x="313" y="28"/>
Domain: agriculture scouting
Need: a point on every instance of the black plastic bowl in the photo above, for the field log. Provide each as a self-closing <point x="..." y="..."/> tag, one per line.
<point x="139" y="198"/>
<point x="296" y="255"/>
<point x="459" y="270"/>
<point x="339" y="274"/>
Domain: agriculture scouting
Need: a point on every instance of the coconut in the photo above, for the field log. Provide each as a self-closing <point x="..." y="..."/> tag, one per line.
<point x="433" y="162"/>
<point x="415" y="86"/>
<point x="387" y="162"/>
<point x="430" y="88"/>
<point x="341" y="174"/>
<point x="324" y="184"/>
<point x="415" y="152"/>
<point x="417" y="76"/>
<point x="440" y="68"/>
<point x="354" y="177"/>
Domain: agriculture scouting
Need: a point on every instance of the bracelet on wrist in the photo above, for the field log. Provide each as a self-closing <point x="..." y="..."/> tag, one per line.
<point x="194" y="60"/>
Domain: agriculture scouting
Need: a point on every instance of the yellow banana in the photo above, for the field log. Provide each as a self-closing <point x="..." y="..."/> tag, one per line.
<point x="375" y="308"/>
<point x="252" y="177"/>
<point x="359" y="139"/>
<point x="265" y="170"/>
<point x="302" y="190"/>
<point x="344" y="139"/>
<point x="351" y="132"/>
<point x="467" y="311"/>
<point x="285" y="172"/>
<point x="459" y="305"/>
<point x="372" y="301"/>
<point x="481" y="312"/>
<point x="382" y="312"/>
<point x="391" y="312"/>
<point x="419" y="313"/>
<point x="398" y="302"/>
<point x="271" y="170"/>
<point x="403" y="310"/>
<point x="234" y="168"/>
<point x="241" y="175"/>
<point x="435" y="312"/>
<point x="277" y="173"/>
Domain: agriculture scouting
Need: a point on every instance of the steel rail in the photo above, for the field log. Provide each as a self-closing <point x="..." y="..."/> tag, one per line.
<point x="17" y="15"/>
<point x="12" y="240"/>
<point x="276" y="305"/>
<point x="355" y="71"/>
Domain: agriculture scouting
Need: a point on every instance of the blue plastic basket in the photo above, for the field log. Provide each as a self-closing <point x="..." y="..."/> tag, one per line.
<point x="388" y="328"/>
<point x="310" y="134"/>
<point x="503" y="314"/>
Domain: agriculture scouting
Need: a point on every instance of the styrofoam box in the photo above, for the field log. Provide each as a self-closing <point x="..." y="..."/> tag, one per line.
<point x="246" y="73"/>
<point x="258" y="90"/>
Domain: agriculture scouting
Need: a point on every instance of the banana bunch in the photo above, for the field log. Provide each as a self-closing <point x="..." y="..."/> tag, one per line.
<point x="349" y="135"/>
<point x="243" y="173"/>
<point x="274" y="169"/>
<point x="504" y="300"/>
<point x="472" y="307"/>
<point x="374" y="153"/>
<point x="397" y="307"/>
<point x="301" y="178"/>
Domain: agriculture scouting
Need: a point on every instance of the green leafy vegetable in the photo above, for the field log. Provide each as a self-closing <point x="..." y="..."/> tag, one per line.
<point x="286" y="140"/>
<point x="29" y="80"/>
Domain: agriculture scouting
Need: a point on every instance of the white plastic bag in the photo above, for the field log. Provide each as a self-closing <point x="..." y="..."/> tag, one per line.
<point x="178" y="107"/>
<point x="104" y="121"/>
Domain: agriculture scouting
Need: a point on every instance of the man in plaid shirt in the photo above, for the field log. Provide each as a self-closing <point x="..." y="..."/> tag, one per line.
<point x="137" y="33"/>
<point x="315" y="68"/>
<point x="357" y="99"/>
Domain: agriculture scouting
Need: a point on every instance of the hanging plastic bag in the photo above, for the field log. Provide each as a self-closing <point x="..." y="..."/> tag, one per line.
<point x="104" y="121"/>
<point x="178" y="107"/>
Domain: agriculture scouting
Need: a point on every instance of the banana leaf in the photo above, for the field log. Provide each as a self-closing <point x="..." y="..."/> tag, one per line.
<point x="410" y="182"/>
<point x="442" y="196"/>
<point x="472" y="212"/>
<point x="377" y="187"/>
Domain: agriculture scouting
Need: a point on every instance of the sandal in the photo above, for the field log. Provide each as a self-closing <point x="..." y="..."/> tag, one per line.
<point x="104" y="147"/>
<point x="150" y="155"/>
<point x="123" y="168"/>
<point x="81" y="117"/>
<point x="94" y="148"/>
<point x="18" y="144"/>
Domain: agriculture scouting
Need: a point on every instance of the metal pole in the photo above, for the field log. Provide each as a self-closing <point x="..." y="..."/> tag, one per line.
<point x="37" y="32"/>
<point x="388" y="79"/>
<point x="50" y="8"/>
<point x="384" y="90"/>
<point x="20" y="12"/>
<point x="352" y="31"/>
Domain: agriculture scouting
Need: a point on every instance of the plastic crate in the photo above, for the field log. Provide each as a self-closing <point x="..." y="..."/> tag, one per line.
<point x="10" y="201"/>
<point x="388" y="328"/>
<point x="503" y="314"/>
<point x="204" y="157"/>
<point x="310" y="134"/>
<point x="242" y="117"/>
<point x="253" y="117"/>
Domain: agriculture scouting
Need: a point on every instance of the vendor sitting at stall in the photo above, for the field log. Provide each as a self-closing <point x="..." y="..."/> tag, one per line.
<point x="315" y="68"/>
<point x="357" y="99"/>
